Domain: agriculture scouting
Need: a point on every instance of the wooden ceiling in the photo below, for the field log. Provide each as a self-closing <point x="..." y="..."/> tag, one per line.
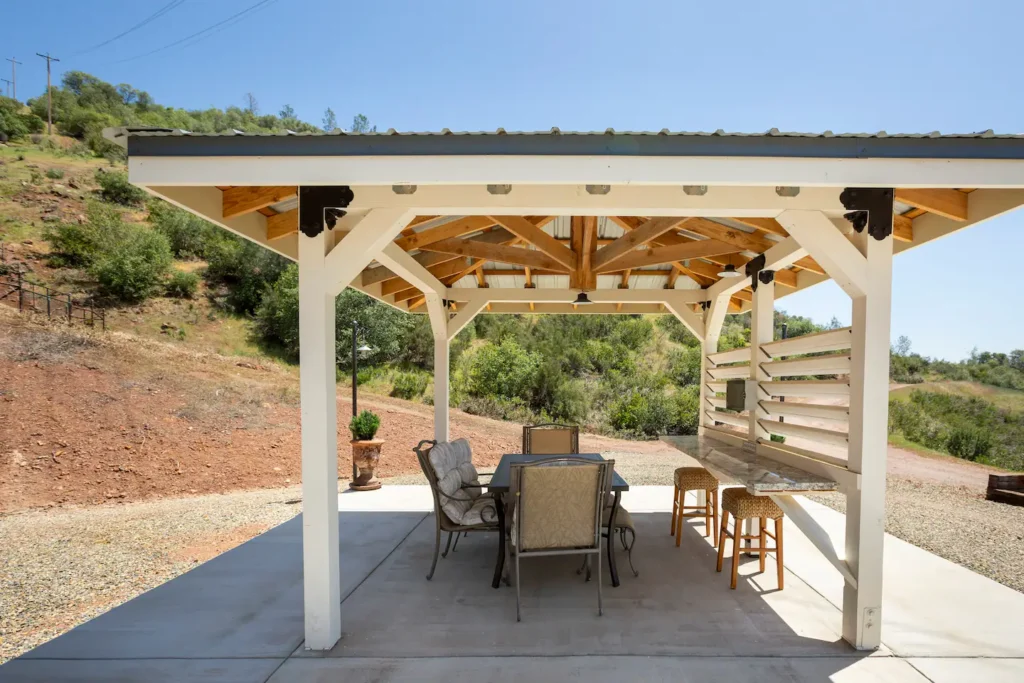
<point x="698" y="248"/>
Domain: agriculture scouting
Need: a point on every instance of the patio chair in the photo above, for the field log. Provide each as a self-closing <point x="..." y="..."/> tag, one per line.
<point x="551" y="439"/>
<point x="625" y="529"/>
<point x="460" y="506"/>
<point x="559" y="510"/>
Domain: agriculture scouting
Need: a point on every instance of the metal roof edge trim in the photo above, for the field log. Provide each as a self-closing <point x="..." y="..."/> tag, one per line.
<point x="183" y="144"/>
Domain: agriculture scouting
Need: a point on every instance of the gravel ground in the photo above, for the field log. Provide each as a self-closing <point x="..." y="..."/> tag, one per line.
<point x="61" y="567"/>
<point x="954" y="522"/>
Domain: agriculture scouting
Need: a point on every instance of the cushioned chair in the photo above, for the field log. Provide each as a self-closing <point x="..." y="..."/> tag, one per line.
<point x="559" y="510"/>
<point x="623" y="527"/>
<point x="551" y="439"/>
<point x="460" y="506"/>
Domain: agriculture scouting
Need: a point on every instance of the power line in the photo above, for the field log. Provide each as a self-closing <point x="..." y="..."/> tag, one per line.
<point x="156" y="15"/>
<point x="232" y="19"/>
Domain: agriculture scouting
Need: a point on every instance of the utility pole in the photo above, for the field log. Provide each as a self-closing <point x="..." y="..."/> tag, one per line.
<point x="49" y="95"/>
<point x="14" y="76"/>
<point x="8" y="85"/>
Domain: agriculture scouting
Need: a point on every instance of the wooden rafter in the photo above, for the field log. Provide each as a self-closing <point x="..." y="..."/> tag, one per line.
<point x="496" y="252"/>
<point x="903" y="228"/>
<point x="947" y="203"/>
<point x="372" y="276"/>
<point x="680" y="252"/>
<point x="237" y="201"/>
<point x="282" y="224"/>
<point x="769" y="225"/>
<point x="441" y="271"/>
<point x="746" y="241"/>
<point x="544" y="242"/>
<point x="457" y="228"/>
<point x="632" y="239"/>
<point x="583" y="238"/>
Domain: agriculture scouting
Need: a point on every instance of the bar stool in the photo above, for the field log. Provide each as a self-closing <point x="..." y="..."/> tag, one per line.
<point x="744" y="505"/>
<point x="695" y="479"/>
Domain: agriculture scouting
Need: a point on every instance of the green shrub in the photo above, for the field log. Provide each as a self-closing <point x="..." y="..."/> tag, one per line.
<point x="364" y="426"/>
<point x="189" y="235"/>
<point x="182" y="285"/>
<point x="642" y="413"/>
<point x="686" y="403"/>
<point x="54" y="173"/>
<point x="409" y="385"/>
<point x="684" y="365"/>
<point x="72" y="245"/>
<point x="115" y="188"/>
<point x="969" y="443"/>
<point x="132" y="263"/>
<point x="506" y="370"/>
<point x="246" y="269"/>
<point x="16" y="121"/>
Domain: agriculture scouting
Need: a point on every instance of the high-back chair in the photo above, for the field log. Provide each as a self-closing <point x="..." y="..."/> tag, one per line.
<point x="558" y="511"/>
<point x="551" y="439"/>
<point x="460" y="505"/>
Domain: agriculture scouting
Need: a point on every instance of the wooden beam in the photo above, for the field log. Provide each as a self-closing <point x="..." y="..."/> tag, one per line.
<point x="457" y="228"/>
<point x="372" y="276"/>
<point x="633" y="239"/>
<point x="497" y="252"/>
<point x="747" y="241"/>
<point x="282" y="224"/>
<point x="587" y="277"/>
<point x="528" y="272"/>
<point x="946" y="203"/>
<point x="769" y="225"/>
<point x="902" y="228"/>
<point x="544" y="242"/>
<point x="440" y="272"/>
<point x="237" y="201"/>
<point x="679" y="252"/>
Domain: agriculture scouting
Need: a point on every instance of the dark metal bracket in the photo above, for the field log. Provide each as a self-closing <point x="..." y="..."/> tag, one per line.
<point x="869" y="207"/>
<point x="764" y="277"/>
<point x="321" y="204"/>
<point x="754" y="267"/>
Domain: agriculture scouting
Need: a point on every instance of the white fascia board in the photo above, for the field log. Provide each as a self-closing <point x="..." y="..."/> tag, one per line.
<point x="644" y="296"/>
<point x="555" y="170"/>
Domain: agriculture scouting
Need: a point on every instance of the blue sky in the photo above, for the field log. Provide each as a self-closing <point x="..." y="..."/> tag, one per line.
<point x="900" y="66"/>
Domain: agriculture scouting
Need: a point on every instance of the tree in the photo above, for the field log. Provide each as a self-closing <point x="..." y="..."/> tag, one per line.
<point x="127" y="93"/>
<point x="251" y="105"/>
<point x="361" y="124"/>
<point x="902" y="346"/>
<point x="330" y="120"/>
<point x="287" y="112"/>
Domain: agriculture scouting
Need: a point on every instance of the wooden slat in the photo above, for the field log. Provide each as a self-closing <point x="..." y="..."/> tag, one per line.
<point x="808" y="388"/>
<point x="441" y="271"/>
<point x="728" y="418"/>
<point x="740" y="355"/>
<point x="544" y="242"/>
<point x="660" y="255"/>
<point x="497" y="252"/>
<point x="457" y="228"/>
<point x="806" y="410"/>
<point x="633" y="239"/>
<point x="282" y="224"/>
<point x="237" y="201"/>
<point x="838" y="364"/>
<point x="902" y="228"/>
<point x="947" y="203"/>
<point x="829" y="340"/>
<point x="764" y="225"/>
<point x="729" y="371"/>
<point x="828" y="436"/>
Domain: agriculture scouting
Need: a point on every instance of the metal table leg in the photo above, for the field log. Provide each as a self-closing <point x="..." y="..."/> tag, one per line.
<point x="501" y="542"/>
<point x="611" y="544"/>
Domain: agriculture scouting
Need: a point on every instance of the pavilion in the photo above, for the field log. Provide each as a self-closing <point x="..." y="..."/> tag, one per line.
<point x="457" y="224"/>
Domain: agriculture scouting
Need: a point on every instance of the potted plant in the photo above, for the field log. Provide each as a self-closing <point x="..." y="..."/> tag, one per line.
<point x="365" y="450"/>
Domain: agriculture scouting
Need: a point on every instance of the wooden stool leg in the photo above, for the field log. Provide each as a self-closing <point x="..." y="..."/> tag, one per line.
<point x="778" y="548"/>
<point x="736" y="533"/>
<point x="675" y="509"/>
<point x="714" y="516"/>
<point x="723" y="532"/>
<point x="762" y="541"/>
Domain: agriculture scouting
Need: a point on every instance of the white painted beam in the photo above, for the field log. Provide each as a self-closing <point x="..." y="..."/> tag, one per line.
<point x="426" y="170"/>
<point x="678" y="297"/>
<point x="368" y="234"/>
<point x="467" y="311"/>
<point x="829" y="247"/>
<point x="406" y="267"/>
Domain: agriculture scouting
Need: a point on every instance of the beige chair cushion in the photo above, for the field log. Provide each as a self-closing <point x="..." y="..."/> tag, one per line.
<point x="551" y="441"/>
<point x="453" y="466"/>
<point x="483" y="511"/>
<point x="743" y="505"/>
<point x="695" y="479"/>
<point x="557" y="507"/>
<point x="623" y="520"/>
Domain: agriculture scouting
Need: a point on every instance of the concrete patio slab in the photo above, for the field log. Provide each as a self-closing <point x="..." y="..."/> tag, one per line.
<point x="601" y="670"/>
<point x="238" y="618"/>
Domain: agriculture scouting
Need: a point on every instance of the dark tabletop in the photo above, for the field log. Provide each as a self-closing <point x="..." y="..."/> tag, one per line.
<point x="501" y="480"/>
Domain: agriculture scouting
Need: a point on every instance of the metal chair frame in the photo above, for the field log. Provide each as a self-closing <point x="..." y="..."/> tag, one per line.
<point x="573" y="429"/>
<point x="441" y="520"/>
<point x="604" y="482"/>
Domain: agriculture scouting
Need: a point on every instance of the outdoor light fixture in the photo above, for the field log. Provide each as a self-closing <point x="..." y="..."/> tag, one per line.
<point x="582" y="299"/>
<point x="729" y="271"/>
<point x="364" y="349"/>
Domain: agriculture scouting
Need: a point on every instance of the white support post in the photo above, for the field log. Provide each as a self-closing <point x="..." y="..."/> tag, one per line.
<point x="762" y="331"/>
<point x="869" y="411"/>
<point x="441" y="411"/>
<point x="714" y="318"/>
<point x="320" y="572"/>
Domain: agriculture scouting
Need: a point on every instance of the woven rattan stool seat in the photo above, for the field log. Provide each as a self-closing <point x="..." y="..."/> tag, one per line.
<point x="695" y="479"/>
<point x="742" y="504"/>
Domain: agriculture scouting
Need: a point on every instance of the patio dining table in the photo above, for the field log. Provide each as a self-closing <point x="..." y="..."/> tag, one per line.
<point x="501" y="482"/>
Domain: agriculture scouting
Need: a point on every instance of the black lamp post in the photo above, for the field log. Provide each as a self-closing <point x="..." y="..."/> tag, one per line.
<point x="356" y="350"/>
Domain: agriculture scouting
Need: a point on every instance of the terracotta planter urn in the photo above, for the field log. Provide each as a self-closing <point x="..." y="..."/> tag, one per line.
<point x="365" y="455"/>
